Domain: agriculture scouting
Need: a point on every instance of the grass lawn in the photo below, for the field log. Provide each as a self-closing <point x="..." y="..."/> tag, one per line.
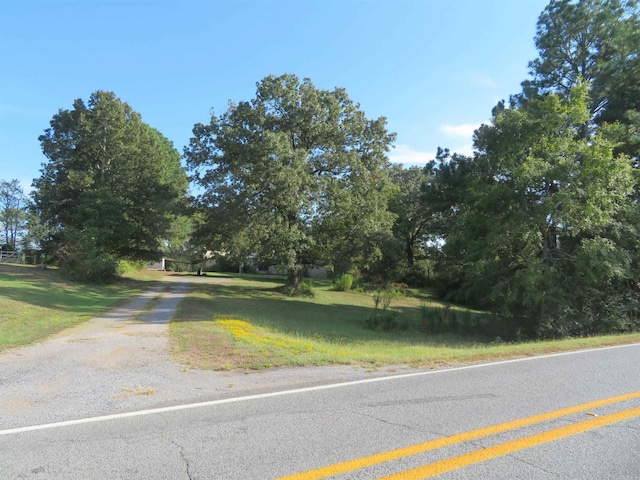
<point x="37" y="303"/>
<point x="248" y="324"/>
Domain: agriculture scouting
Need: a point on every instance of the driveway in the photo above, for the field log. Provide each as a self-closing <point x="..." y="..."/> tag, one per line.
<point x="121" y="362"/>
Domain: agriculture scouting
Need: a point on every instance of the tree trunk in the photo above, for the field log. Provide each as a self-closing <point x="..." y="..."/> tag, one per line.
<point x="293" y="271"/>
<point x="293" y="278"/>
<point x="409" y="251"/>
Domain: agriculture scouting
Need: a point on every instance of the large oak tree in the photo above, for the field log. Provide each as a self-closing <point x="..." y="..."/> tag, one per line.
<point x="296" y="176"/>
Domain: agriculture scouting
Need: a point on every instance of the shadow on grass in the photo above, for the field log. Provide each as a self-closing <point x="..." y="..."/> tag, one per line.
<point x="336" y="321"/>
<point x="48" y="289"/>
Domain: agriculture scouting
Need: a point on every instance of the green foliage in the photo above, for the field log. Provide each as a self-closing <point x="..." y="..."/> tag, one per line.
<point x="534" y="220"/>
<point x="303" y="289"/>
<point x="296" y="175"/>
<point x="592" y="41"/>
<point x="13" y="214"/>
<point x="343" y="283"/>
<point x="414" y="224"/>
<point x="440" y="320"/>
<point x="383" y="318"/>
<point x="110" y="177"/>
<point x="229" y="264"/>
<point x="83" y="261"/>
<point x="130" y="266"/>
<point x="418" y="275"/>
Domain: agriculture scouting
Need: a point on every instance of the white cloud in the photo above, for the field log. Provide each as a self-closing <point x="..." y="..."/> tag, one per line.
<point x="407" y="156"/>
<point x="462" y="130"/>
<point x="463" y="150"/>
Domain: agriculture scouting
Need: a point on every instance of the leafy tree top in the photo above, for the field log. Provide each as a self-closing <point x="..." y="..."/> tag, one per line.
<point x="109" y="177"/>
<point x="298" y="167"/>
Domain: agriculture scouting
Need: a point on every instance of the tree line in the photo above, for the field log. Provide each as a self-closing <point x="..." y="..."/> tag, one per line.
<point x="540" y="225"/>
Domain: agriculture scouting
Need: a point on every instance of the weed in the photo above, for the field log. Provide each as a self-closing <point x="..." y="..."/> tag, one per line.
<point x="382" y="318"/>
<point x="343" y="283"/>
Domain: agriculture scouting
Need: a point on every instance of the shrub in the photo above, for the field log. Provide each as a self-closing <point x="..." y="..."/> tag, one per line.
<point x="416" y="276"/>
<point x="382" y="318"/>
<point x="85" y="262"/>
<point x="343" y="283"/>
<point x="305" y="289"/>
<point x="130" y="266"/>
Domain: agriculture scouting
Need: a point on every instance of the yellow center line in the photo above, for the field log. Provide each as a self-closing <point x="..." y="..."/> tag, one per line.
<point x="370" y="460"/>
<point x="506" y="448"/>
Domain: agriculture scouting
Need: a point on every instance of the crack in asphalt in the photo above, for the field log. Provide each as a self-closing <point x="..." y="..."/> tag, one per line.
<point x="385" y="421"/>
<point x="419" y="401"/>
<point x="537" y="467"/>
<point x="185" y="460"/>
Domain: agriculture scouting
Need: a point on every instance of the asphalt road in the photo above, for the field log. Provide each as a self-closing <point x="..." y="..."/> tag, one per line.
<point x="402" y="427"/>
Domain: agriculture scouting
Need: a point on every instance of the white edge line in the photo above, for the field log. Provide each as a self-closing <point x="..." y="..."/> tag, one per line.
<point x="139" y="413"/>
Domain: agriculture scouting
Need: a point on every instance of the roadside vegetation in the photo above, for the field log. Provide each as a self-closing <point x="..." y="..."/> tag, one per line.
<point x="249" y="323"/>
<point x="35" y="304"/>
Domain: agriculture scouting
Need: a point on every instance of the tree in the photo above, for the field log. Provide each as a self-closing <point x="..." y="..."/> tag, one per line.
<point x="446" y="196"/>
<point x="298" y="172"/>
<point x="537" y="217"/>
<point x="13" y="213"/>
<point x="595" y="42"/>
<point x="111" y="180"/>
<point x="412" y="216"/>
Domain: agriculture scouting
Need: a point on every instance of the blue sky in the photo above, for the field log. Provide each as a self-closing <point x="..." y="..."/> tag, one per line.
<point x="434" y="68"/>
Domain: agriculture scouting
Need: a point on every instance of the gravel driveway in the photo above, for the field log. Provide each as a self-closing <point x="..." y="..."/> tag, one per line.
<point x="121" y="362"/>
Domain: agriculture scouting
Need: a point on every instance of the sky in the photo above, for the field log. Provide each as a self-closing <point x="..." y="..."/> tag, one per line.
<point x="433" y="68"/>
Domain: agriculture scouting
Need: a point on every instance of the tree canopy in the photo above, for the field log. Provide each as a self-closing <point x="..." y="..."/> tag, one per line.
<point x="297" y="173"/>
<point x="542" y="224"/>
<point x="111" y="180"/>
<point x="595" y="42"/>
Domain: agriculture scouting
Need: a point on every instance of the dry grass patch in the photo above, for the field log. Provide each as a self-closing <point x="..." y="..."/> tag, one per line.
<point x="82" y="339"/>
<point x="133" y="391"/>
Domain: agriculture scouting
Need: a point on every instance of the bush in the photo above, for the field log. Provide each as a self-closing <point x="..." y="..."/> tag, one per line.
<point x="305" y="289"/>
<point x="343" y="283"/>
<point x="130" y="266"/>
<point x="416" y="276"/>
<point x="84" y="262"/>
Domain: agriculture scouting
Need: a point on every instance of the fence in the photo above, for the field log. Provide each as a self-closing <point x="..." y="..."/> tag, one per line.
<point x="13" y="257"/>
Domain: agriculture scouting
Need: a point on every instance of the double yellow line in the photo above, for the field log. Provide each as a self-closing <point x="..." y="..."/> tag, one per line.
<point x="484" y="454"/>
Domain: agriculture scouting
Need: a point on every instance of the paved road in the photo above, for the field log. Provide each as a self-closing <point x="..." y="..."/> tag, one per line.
<point x="569" y="416"/>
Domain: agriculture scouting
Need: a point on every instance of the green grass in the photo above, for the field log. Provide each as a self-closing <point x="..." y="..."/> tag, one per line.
<point x="37" y="303"/>
<point x="249" y="324"/>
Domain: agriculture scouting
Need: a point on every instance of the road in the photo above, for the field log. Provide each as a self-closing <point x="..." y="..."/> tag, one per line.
<point x="566" y="416"/>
